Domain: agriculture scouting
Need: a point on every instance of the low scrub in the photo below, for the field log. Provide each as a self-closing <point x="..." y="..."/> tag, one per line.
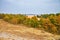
<point x="47" y="22"/>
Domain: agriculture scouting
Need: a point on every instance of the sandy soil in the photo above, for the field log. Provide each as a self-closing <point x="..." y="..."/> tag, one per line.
<point x="20" y="32"/>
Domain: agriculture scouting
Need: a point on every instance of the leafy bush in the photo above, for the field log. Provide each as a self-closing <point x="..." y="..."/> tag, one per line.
<point x="2" y="16"/>
<point x="48" y="22"/>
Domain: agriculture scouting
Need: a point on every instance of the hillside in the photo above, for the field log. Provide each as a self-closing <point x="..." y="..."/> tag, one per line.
<point x="20" y="32"/>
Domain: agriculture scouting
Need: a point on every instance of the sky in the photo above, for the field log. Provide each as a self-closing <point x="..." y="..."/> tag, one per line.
<point x="29" y="6"/>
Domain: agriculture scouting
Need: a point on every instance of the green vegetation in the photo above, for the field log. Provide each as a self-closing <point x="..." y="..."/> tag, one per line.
<point x="47" y="22"/>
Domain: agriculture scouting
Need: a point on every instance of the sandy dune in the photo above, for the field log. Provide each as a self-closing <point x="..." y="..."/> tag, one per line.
<point x="20" y="32"/>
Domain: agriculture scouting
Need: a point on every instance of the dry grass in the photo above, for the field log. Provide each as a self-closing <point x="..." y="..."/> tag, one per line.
<point x="1" y="38"/>
<point x="23" y="31"/>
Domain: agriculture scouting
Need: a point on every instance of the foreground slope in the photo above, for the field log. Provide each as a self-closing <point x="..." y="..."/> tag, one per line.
<point x="20" y="32"/>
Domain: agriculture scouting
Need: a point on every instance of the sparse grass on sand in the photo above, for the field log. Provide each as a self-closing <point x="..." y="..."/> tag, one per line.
<point x="24" y="32"/>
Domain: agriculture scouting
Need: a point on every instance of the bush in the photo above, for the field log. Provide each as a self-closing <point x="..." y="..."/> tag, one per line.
<point x="48" y="22"/>
<point x="2" y="16"/>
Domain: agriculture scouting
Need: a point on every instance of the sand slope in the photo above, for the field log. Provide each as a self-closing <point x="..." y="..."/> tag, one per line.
<point x="20" y="32"/>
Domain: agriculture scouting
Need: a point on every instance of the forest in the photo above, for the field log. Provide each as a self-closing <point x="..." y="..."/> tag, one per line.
<point x="46" y="22"/>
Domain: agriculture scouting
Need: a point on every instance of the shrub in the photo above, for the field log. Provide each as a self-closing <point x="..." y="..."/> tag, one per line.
<point x="2" y="16"/>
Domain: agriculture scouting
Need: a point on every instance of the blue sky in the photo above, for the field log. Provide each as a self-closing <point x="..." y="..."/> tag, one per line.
<point x="29" y="6"/>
